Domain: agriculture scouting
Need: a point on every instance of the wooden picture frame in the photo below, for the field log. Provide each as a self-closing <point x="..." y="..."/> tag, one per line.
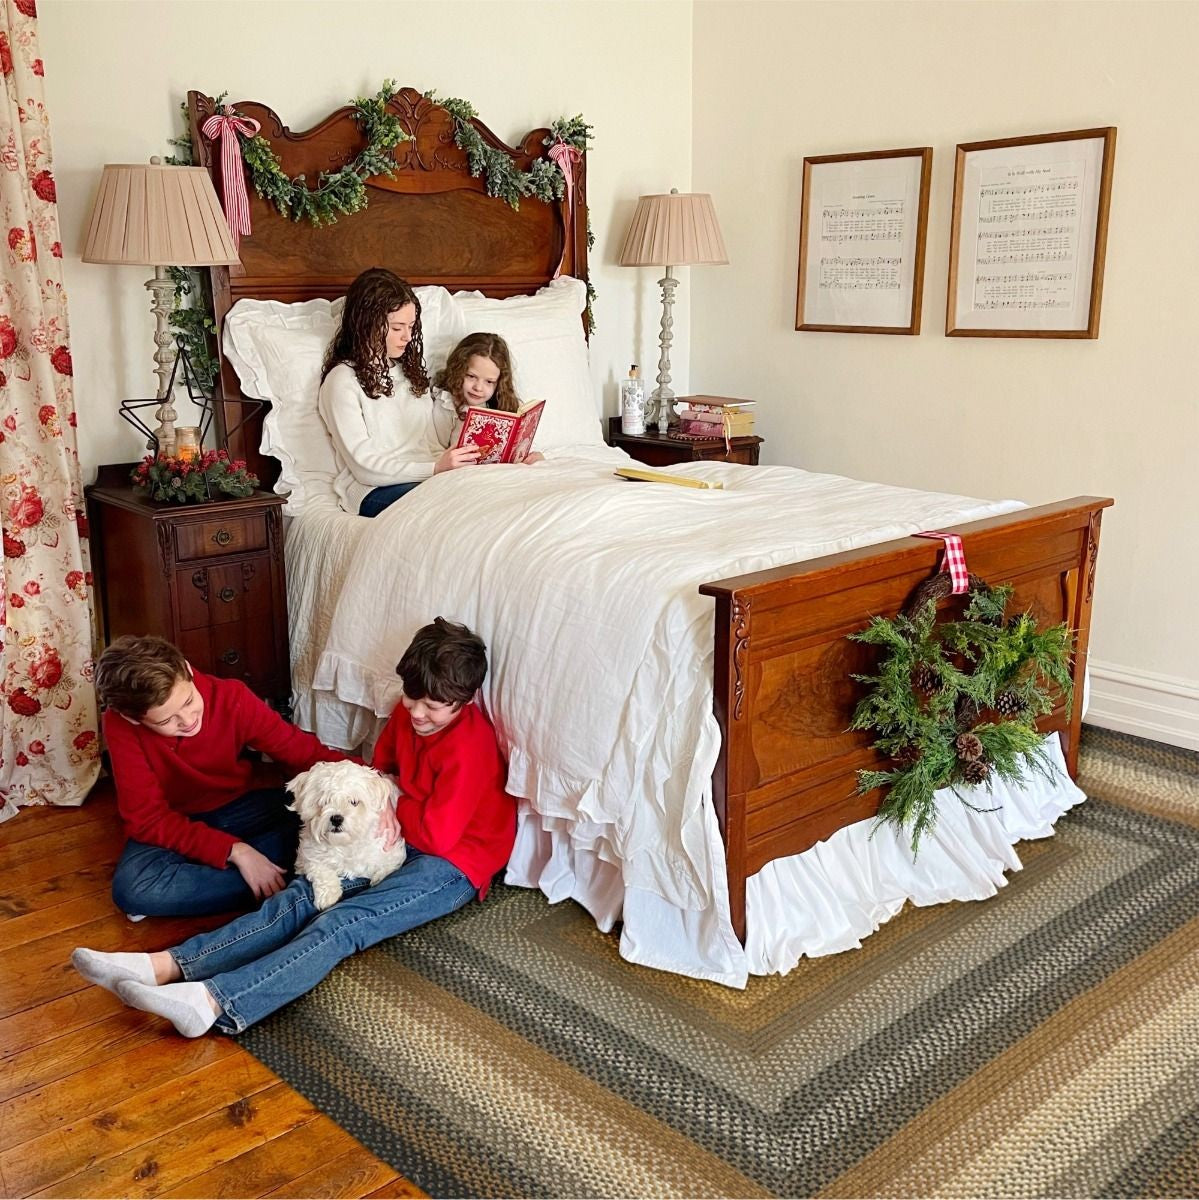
<point x="1029" y="239"/>
<point x="875" y="206"/>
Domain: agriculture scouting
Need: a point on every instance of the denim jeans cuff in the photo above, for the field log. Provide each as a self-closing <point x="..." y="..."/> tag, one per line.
<point x="228" y="1021"/>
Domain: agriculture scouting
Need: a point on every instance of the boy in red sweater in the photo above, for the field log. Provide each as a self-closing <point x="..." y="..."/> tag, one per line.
<point x="460" y="825"/>
<point x="200" y="839"/>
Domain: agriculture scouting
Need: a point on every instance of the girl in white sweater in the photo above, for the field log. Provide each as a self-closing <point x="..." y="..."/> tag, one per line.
<point x="376" y="401"/>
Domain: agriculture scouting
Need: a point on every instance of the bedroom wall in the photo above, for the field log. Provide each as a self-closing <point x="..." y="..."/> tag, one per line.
<point x="116" y="73"/>
<point x="1038" y="420"/>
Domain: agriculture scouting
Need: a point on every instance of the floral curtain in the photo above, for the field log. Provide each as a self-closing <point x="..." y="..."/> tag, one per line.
<point x="49" y="752"/>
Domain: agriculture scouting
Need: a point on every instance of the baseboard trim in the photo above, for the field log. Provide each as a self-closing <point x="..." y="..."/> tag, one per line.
<point x="1159" y="707"/>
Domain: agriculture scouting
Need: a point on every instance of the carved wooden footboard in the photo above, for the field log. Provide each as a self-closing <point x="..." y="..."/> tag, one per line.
<point x="786" y="777"/>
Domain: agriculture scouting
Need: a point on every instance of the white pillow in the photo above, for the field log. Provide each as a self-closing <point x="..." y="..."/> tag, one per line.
<point x="544" y="332"/>
<point x="277" y="351"/>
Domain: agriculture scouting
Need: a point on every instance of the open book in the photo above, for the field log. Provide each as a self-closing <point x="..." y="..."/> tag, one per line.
<point x="502" y="437"/>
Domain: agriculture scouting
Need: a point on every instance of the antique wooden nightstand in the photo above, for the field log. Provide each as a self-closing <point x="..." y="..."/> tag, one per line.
<point x="660" y="450"/>
<point x="208" y="577"/>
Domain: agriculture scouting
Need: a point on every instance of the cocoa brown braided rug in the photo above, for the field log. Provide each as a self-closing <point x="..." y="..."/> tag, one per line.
<point x="1042" y="1043"/>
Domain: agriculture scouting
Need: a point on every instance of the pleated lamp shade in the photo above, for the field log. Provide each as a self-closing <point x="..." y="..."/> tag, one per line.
<point x="674" y="230"/>
<point x="150" y="214"/>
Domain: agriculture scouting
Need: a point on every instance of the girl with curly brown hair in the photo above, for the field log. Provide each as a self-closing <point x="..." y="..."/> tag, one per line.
<point x="477" y="374"/>
<point x="375" y="397"/>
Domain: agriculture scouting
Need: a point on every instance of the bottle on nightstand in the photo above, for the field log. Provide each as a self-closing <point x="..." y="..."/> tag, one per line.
<point x="632" y="403"/>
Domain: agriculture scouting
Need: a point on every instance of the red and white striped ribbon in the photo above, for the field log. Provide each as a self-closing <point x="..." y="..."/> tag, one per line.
<point x="954" y="559"/>
<point x="227" y="126"/>
<point x="565" y="156"/>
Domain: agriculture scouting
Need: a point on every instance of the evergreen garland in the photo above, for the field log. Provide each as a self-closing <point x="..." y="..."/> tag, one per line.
<point x="336" y="192"/>
<point x="191" y="316"/>
<point x="193" y="323"/>
<point x="935" y="680"/>
<point x="504" y="181"/>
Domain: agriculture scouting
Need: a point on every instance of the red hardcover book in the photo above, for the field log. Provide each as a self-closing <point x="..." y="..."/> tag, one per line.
<point x="502" y="437"/>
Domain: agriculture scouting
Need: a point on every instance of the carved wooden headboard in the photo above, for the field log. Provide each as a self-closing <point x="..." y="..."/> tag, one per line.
<point x="432" y="224"/>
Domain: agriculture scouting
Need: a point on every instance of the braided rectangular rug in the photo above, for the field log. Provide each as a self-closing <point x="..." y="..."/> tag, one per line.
<point x="1041" y="1043"/>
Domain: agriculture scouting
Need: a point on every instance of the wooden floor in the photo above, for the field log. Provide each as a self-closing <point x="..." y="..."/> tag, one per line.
<point x="100" y="1100"/>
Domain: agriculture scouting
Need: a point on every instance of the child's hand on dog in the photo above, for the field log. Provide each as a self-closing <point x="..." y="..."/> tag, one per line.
<point x="263" y="877"/>
<point x="389" y="827"/>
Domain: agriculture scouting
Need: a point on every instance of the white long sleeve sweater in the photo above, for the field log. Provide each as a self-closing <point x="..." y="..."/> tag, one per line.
<point x="377" y="442"/>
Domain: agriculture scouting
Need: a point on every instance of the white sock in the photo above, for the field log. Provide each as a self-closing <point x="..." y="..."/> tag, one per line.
<point x="110" y="969"/>
<point x="186" y="1005"/>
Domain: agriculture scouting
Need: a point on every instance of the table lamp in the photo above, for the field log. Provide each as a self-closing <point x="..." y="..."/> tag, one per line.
<point x="675" y="230"/>
<point x="159" y="216"/>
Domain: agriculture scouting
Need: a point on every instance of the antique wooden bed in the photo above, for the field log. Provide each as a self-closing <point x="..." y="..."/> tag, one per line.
<point x="785" y="779"/>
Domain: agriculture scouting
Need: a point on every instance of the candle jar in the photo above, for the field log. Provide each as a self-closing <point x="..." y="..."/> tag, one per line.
<point x="187" y="443"/>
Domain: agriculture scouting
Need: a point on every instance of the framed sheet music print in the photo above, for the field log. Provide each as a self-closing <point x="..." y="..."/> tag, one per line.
<point x="861" y="241"/>
<point x="1029" y="235"/>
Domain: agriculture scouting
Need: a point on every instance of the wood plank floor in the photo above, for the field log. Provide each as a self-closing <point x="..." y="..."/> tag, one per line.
<point x="100" y="1100"/>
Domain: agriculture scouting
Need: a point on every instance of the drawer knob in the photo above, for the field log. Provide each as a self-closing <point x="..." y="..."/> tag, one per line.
<point x="230" y="657"/>
<point x="222" y="537"/>
<point x="226" y="594"/>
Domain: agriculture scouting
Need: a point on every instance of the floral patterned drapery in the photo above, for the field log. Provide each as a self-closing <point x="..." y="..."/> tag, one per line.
<point x="49" y="752"/>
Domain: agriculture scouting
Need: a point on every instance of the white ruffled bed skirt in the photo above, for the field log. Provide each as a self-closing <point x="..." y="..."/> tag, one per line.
<point x="823" y="901"/>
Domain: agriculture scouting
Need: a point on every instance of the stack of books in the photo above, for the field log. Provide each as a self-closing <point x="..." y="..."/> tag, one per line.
<point x="715" y="417"/>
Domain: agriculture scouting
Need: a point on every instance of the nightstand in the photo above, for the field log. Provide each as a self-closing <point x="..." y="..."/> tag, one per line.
<point x="208" y="577"/>
<point x="660" y="450"/>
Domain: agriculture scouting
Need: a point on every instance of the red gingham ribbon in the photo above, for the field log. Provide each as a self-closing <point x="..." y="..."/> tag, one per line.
<point x="954" y="559"/>
<point x="227" y="126"/>
<point x="565" y="156"/>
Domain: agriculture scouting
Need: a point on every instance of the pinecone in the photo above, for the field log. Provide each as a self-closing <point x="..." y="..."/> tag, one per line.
<point x="907" y="756"/>
<point x="976" y="771"/>
<point x="926" y="679"/>
<point x="1010" y="703"/>
<point x="969" y="748"/>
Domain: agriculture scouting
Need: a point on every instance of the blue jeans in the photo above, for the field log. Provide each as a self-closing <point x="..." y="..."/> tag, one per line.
<point x="375" y="501"/>
<point x="264" y="960"/>
<point x="157" y="882"/>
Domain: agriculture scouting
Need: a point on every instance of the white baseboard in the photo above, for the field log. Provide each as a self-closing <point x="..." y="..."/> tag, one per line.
<point x="1159" y="707"/>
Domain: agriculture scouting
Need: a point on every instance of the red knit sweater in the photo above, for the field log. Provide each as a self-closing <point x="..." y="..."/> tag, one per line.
<point x="452" y="800"/>
<point x="161" y="780"/>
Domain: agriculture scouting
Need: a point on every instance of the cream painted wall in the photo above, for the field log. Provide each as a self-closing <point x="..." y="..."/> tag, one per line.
<point x="1037" y="420"/>
<point x="117" y="71"/>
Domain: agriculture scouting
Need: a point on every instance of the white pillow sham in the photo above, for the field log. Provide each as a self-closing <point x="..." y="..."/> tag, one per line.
<point x="544" y="332"/>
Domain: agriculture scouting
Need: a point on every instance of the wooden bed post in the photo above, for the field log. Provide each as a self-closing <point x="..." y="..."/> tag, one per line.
<point x="1080" y="621"/>
<point x="732" y="646"/>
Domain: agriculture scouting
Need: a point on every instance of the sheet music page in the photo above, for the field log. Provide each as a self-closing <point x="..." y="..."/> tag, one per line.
<point x="1028" y="236"/>
<point x="862" y="224"/>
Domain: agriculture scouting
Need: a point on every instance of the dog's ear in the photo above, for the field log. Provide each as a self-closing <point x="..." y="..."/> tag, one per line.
<point x="297" y="787"/>
<point x="383" y="792"/>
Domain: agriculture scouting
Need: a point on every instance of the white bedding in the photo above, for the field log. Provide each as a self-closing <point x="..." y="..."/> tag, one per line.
<point x="585" y="589"/>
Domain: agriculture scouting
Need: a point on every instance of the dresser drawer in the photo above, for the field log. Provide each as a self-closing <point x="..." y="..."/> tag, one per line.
<point x="225" y="594"/>
<point x="239" y="650"/>
<point x="230" y="535"/>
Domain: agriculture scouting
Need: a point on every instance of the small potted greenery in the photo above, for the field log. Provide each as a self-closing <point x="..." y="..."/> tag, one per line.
<point x="212" y="475"/>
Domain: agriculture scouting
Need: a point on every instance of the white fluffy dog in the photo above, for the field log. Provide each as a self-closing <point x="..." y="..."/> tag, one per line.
<point x="340" y="804"/>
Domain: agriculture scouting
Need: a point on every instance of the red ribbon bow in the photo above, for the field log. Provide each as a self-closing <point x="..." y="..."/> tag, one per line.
<point x="564" y="156"/>
<point x="227" y="125"/>
<point x="954" y="559"/>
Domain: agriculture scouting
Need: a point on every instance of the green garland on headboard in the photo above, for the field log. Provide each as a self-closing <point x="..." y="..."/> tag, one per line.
<point x="342" y="192"/>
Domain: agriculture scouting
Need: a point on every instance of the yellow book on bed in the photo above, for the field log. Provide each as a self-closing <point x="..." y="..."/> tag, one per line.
<point x="662" y="477"/>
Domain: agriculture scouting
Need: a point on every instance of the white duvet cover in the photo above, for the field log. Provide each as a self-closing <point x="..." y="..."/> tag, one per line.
<point x="585" y="590"/>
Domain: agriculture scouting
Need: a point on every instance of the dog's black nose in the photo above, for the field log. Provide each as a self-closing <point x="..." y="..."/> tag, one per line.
<point x="336" y="820"/>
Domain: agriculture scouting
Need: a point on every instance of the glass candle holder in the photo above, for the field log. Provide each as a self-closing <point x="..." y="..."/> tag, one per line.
<point x="187" y="443"/>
